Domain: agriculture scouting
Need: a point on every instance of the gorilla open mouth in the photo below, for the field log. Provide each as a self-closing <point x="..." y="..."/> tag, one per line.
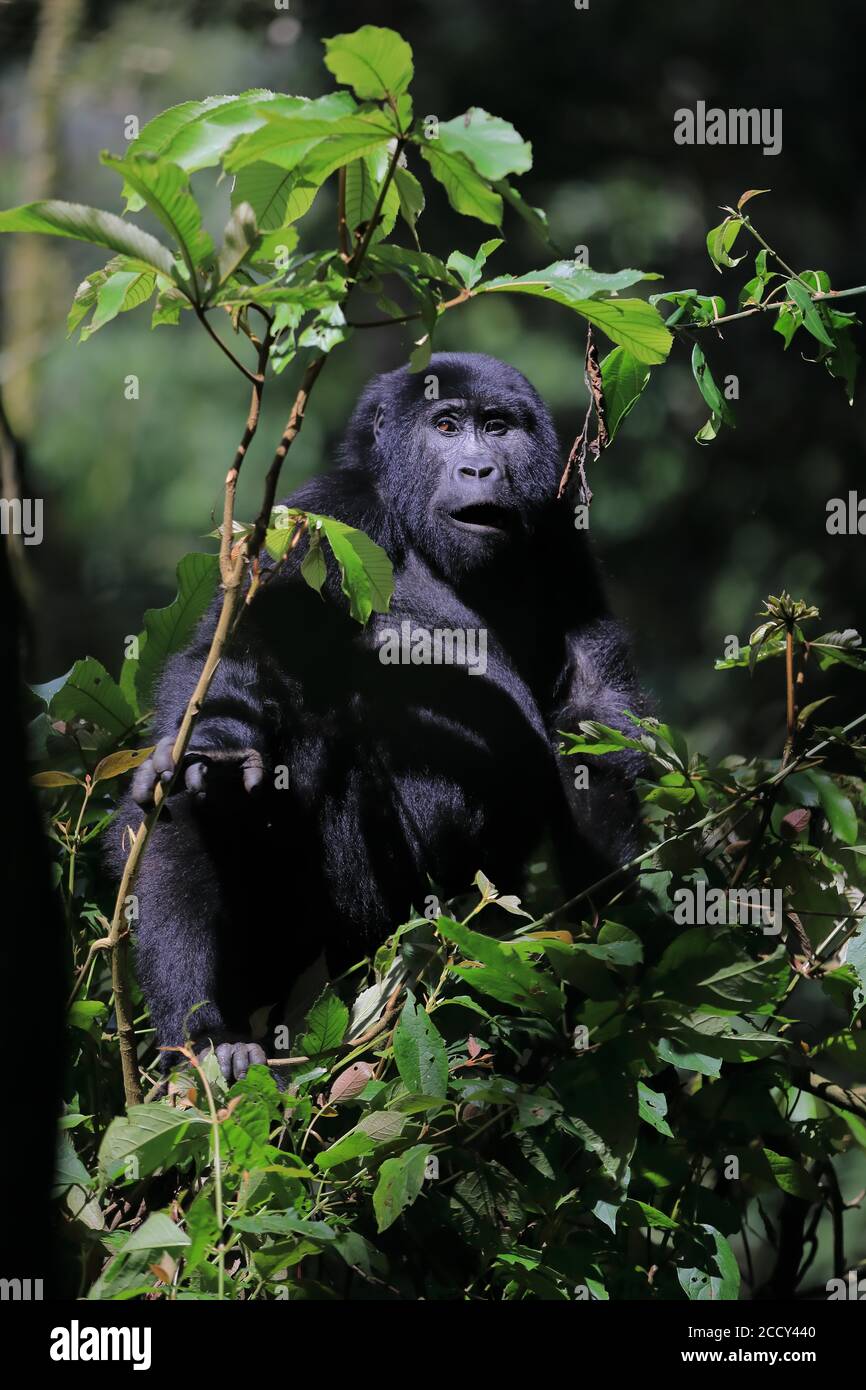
<point x="484" y="516"/>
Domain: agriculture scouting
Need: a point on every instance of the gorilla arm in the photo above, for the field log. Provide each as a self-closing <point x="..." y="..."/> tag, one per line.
<point x="599" y="683"/>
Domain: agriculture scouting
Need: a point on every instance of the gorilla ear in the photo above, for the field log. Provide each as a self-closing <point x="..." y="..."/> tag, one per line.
<point x="378" y="421"/>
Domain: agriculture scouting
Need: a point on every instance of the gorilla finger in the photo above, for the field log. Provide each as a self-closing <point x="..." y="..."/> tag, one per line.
<point x="195" y="777"/>
<point x="253" y="771"/>
<point x="163" y="762"/>
<point x="257" y="1056"/>
<point x="143" y="783"/>
<point x="241" y="1061"/>
<point x="225" y="1055"/>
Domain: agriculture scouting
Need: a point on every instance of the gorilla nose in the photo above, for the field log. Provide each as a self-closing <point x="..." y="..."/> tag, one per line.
<point x="482" y="470"/>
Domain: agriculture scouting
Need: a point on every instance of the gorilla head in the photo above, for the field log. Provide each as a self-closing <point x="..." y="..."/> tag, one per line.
<point x="466" y="449"/>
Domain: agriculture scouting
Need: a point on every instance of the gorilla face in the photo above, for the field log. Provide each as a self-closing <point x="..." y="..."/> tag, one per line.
<point x="467" y="458"/>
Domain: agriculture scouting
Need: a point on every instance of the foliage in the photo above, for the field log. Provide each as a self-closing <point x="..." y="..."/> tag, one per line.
<point x="589" y="1104"/>
<point x="592" y="1104"/>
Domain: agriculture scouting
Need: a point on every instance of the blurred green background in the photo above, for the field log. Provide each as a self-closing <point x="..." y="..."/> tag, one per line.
<point x="690" y="538"/>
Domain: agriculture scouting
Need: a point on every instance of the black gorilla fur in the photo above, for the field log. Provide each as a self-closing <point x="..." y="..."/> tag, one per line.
<point x="399" y="776"/>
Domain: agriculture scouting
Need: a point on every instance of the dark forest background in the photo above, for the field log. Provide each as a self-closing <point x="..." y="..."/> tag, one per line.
<point x="691" y="538"/>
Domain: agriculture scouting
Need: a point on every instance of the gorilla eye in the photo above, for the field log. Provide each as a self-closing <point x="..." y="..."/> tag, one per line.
<point x="496" y="425"/>
<point x="446" y="424"/>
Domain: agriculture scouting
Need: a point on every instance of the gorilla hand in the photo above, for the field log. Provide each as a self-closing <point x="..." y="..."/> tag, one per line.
<point x="203" y="771"/>
<point x="235" y="1058"/>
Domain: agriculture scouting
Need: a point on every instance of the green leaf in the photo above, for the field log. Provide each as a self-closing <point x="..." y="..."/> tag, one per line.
<point x="366" y="572"/>
<point x="400" y="1181"/>
<point x="92" y="225"/>
<point x="717" y="1276"/>
<point x="632" y="323"/>
<point x="721" y="239"/>
<point x="196" y="134"/>
<point x="364" y="179"/>
<point x="837" y="807"/>
<point x="277" y="196"/>
<point x="327" y="1022"/>
<point x="313" y="146"/>
<point x="721" y="410"/>
<point x="624" y="379"/>
<point x="469" y="268"/>
<point x="411" y="196"/>
<point x="420" y="1052"/>
<point x="652" y="1108"/>
<point x="376" y="63"/>
<point x="168" y="629"/>
<point x="91" y="693"/>
<point x="158" y="1232"/>
<point x="120" y="286"/>
<point x="490" y="144"/>
<point x="500" y="972"/>
<point x="165" y="189"/>
<point x="468" y="193"/>
<point x="790" y="1175"/>
<point x="150" y="1137"/>
<point x="240" y="238"/>
<point x="812" y="320"/>
<point x="313" y="566"/>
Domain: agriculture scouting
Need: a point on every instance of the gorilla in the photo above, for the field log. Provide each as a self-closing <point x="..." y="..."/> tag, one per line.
<point x="338" y="775"/>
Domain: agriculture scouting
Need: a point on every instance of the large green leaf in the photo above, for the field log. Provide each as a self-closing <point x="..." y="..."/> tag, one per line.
<point x="288" y="141"/>
<point x="497" y="970"/>
<point x="327" y="1022"/>
<point x="490" y="144"/>
<point x="400" y="1181"/>
<point x="624" y="379"/>
<point x="420" y="1052"/>
<point x="240" y="238"/>
<point x="91" y="693"/>
<point x="376" y="63"/>
<point x="632" y="323"/>
<point x="196" y="134"/>
<point x="277" y="196"/>
<point x="168" y="629"/>
<point x="468" y="193"/>
<point x="90" y="224"/>
<point x="150" y="1137"/>
<point x="158" y="1232"/>
<point x="364" y="179"/>
<point x="366" y="572"/>
<point x="165" y="189"/>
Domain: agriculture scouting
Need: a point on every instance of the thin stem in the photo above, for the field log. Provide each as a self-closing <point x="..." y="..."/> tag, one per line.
<point x="817" y="298"/>
<point x="790" y="707"/>
<point x="342" y="225"/>
<point x="236" y="362"/>
<point x="381" y="323"/>
<point x="217" y="1168"/>
<point x="767" y="247"/>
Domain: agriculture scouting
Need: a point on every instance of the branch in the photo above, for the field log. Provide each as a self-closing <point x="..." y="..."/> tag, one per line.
<point x="236" y="362"/>
<point x="701" y="824"/>
<point x="817" y="297"/>
<point x="232" y="564"/>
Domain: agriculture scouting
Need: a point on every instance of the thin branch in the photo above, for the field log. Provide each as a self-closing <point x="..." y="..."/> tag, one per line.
<point x="821" y="296"/>
<point x="236" y="362"/>
<point x="701" y="824"/>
